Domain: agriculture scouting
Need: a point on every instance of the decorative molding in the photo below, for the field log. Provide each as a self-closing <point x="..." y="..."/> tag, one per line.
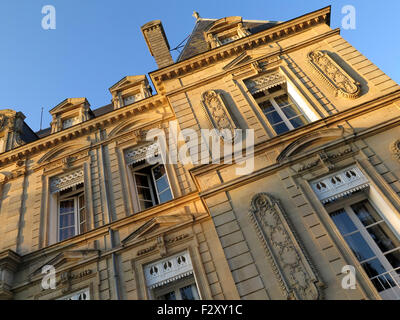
<point x="140" y="153"/>
<point x="395" y="149"/>
<point x="265" y="82"/>
<point x="218" y="115"/>
<point x="66" y="181"/>
<point x="333" y="75"/>
<point x="286" y="255"/>
<point x="339" y="184"/>
<point x="168" y="270"/>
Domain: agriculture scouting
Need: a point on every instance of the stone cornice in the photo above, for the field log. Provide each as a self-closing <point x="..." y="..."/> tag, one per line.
<point x="273" y="34"/>
<point x="248" y="65"/>
<point x="81" y="129"/>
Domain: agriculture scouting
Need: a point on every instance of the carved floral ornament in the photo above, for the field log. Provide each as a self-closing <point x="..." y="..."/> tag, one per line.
<point x="333" y="75"/>
<point x="286" y="255"/>
<point x="218" y="114"/>
<point x="395" y="149"/>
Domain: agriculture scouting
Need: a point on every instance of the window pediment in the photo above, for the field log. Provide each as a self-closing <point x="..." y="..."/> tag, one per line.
<point x="69" y="113"/>
<point x="225" y="30"/>
<point x="129" y="90"/>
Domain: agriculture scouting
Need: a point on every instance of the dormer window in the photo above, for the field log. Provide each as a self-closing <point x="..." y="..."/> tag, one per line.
<point x="133" y="98"/>
<point x="69" y="113"/>
<point x="69" y="122"/>
<point x="129" y="90"/>
<point x="225" y="30"/>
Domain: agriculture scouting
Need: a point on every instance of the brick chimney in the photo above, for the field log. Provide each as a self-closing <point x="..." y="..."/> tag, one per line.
<point x="157" y="42"/>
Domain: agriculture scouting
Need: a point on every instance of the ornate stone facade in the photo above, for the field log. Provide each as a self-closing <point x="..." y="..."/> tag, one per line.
<point x="79" y="196"/>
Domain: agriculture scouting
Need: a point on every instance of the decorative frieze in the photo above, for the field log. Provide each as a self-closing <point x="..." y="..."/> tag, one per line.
<point x="265" y="82"/>
<point x="286" y="255"/>
<point x="66" y="181"/>
<point x="140" y="153"/>
<point x="168" y="270"/>
<point x="339" y="184"/>
<point x="333" y="75"/>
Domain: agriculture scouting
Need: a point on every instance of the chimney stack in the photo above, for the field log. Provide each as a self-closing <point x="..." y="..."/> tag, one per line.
<point x="157" y="42"/>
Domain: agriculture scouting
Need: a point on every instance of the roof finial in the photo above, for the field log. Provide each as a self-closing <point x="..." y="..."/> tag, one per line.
<point x="196" y="15"/>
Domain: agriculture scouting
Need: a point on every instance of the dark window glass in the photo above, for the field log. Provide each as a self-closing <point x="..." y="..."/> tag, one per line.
<point x="343" y="222"/>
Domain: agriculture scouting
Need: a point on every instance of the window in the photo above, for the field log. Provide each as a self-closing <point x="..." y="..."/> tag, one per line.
<point x="281" y="111"/>
<point x="69" y="122"/>
<point x="132" y="98"/>
<point x="172" y="278"/>
<point x="71" y="212"/>
<point x="151" y="185"/>
<point x="80" y="295"/>
<point x="183" y="289"/>
<point x="372" y="242"/>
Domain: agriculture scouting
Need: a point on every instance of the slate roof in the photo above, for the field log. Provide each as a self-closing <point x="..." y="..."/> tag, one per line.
<point x="197" y="43"/>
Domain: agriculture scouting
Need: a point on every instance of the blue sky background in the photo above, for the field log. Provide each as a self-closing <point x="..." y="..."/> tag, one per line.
<point x="97" y="42"/>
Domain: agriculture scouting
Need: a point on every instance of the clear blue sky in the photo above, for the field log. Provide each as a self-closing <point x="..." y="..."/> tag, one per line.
<point x="97" y="42"/>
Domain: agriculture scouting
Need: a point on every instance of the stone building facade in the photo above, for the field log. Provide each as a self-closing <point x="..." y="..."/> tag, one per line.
<point x="83" y="197"/>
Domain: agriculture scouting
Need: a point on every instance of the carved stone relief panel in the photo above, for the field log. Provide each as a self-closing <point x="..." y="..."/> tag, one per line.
<point x="395" y="149"/>
<point x="286" y="255"/>
<point x="218" y="114"/>
<point x="333" y="75"/>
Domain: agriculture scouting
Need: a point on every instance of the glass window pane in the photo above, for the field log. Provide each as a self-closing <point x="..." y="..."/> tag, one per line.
<point x="383" y="282"/>
<point x="66" y="206"/>
<point x="170" y="296"/>
<point x="281" y="128"/>
<point x="141" y="180"/>
<point x="379" y="233"/>
<point x="144" y="194"/>
<point x="145" y="204"/>
<point x="165" y="196"/>
<point x="82" y="220"/>
<point x="266" y="106"/>
<point x="159" y="171"/>
<point x="67" y="220"/>
<point x="273" y="117"/>
<point x="359" y="246"/>
<point x="291" y="111"/>
<point x="186" y="293"/>
<point x="394" y="258"/>
<point x="298" y="122"/>
<point x="67" y="233"/>
<point x="373" y="268"/>
<point x="366" y="213"/>
<point x="283" y="100"/>
<point x="343" y="222"/>
<point x="162" y="183"/>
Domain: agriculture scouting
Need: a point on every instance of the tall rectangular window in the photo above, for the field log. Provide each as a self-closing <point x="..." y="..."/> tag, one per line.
<point x="372" y="242"/>
<point x="72" y="212"/>
<point x="151" y="185"/>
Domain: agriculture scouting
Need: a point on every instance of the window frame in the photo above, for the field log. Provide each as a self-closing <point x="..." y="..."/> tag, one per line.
<point x="153" y="189"/>
<point x="346" y="206"/>
<point x="74" y="195"/>
<point x="271" y="98"/>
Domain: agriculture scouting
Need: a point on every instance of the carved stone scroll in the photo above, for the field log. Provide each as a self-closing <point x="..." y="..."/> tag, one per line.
<point x="288" y="259"/>
<point x="333" y="75"/>
<point x="218" y="114"/>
